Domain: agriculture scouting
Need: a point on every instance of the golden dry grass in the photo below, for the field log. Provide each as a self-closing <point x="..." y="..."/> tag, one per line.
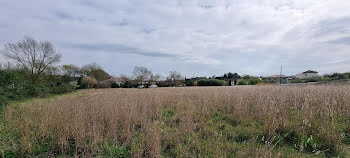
<point x="262" y="121"/>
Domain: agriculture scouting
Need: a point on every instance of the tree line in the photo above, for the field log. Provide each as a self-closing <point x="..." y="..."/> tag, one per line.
<point x="33" y="71"/>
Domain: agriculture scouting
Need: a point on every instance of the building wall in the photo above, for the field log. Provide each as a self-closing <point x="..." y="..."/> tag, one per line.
<point x="306" y="75"/>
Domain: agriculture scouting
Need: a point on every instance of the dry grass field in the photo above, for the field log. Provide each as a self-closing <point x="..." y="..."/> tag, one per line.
<point x="254" y="121"/>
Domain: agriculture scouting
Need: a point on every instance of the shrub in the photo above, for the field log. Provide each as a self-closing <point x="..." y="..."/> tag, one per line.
<point x="114" y="85"/>
<point x="3" y="98"/>
<point x="37" y="90"/>
<point x="297" y="81"/>
<point x="343" y="76"/>
<point x="164" y="84"/>
<point x="127" y="84"/>
<point x="15" y="86"/>
<point x="189" y="83"/>
<point x="211" y="82"/>
<point x="254" y="81"/>
<point x="89" y="82"/>
<point x="242" y="82"/>
<point x="66" y="88"/>
<point x="104" y="84"/>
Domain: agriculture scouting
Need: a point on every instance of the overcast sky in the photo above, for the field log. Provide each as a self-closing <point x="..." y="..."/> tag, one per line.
<point x="194" y="37"/>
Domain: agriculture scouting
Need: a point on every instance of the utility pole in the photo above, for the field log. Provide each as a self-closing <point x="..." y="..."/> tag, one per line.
<point x="281" y="76"/>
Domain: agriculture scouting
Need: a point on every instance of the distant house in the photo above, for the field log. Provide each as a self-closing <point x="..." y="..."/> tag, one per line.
<point x="116" y="80"/>
<point x="277" y="79"/>
<point x="307" y="74"/>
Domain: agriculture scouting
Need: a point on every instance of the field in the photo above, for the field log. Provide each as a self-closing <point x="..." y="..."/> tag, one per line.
<point x="251" y="121"/>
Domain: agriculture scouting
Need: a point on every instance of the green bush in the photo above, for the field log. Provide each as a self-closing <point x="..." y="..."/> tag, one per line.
<point x="297" y="81"/>
<point x="211" y="82"/>
<point x="189" y="83"/>
<point x="3" y="98"/>
<point x="254" y="81"/>
<point x="115" y="85"/>
<point x="38" y="90"/>
<point x="15" y="86"/>
<point x="66" y="88"/>
<point x="242" y="82"/>
<point x="127" y="84"/>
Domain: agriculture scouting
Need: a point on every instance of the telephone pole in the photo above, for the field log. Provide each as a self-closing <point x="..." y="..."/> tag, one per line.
<point x="281" y="76"/>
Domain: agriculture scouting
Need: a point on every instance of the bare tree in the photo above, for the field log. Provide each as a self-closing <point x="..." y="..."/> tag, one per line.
<point x="34" y="56"/>
<point x="174" y="76"/>
<point x="71" y="70"/>
<point x="154" y="78"/>
<point x="124" y="78"/>
<point x="141" y="73"/>
<point x="87" y="69"/>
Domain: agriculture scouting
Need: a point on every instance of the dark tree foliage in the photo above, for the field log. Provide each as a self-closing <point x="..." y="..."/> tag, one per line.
<point x="128" y="84"/>
<point x="96" y="71"/>
<point x="211" y="82"/>
<point x="189" y="82"/>
<point x="114" y="85"/>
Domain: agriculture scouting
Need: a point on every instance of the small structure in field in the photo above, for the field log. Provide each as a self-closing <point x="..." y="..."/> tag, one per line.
<point x="307" y="75"/>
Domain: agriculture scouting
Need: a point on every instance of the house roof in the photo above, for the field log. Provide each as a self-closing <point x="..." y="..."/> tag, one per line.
<point x="114" y="79"/>
<point x="310" y="71"/>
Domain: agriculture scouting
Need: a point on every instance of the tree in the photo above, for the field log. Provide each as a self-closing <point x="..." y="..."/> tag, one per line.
<point x="95" y="71"/>
<point x="246" y="77"/>
<point x="154" y="78"/>
<point x="71" y="70"/>
<point x="141" y="74"/>
<point x="124" y="78"/>
<point x="35" y="57"/>
<point x="254" y="81"/>
<point x="88" y="82"/>
<point x="174" y="76"/>
<point x="211" y="82"/>
<point x="86" y="69"/>
<point x="233" y="75"/>
<point x="189" y="82"/>
<point x="242" y="82"/>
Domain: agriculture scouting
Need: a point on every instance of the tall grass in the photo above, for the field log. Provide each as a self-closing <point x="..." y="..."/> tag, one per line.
<point x="260" y="121"/>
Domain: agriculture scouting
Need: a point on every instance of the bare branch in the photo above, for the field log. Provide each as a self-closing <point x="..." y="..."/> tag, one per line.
<point x="35" y="57"/>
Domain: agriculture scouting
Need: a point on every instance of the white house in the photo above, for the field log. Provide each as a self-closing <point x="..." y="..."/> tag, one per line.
<point x="116" y="80"/>
<point x="307" y="74"/>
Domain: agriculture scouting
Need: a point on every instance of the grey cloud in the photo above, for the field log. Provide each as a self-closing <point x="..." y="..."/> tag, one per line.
<point x="344" y="40"/>
<point x="123" y="23"/>
<point x="119" y="23"/>
<point x="149" y="30"/>
<point x="118" y="48"/>
<point x="206" y="6"/>
<point x="66" y="16"/>
<point x="329" y="26"/>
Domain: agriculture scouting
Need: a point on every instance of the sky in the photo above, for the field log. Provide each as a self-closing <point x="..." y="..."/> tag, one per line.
<point x="194" y="37"/>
